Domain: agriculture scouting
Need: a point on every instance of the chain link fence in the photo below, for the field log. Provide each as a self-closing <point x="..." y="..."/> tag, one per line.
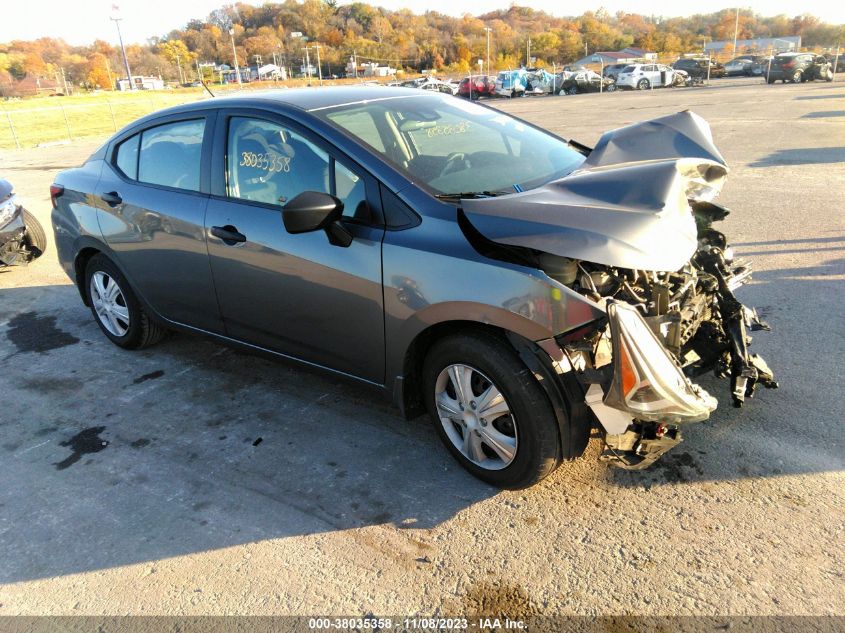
<point x="55" y="120"/>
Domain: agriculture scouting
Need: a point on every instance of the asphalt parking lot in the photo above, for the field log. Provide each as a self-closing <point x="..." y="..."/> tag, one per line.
<point x="213" y="482"/>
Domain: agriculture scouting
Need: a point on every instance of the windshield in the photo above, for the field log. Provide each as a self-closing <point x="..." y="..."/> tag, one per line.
<point x="452" y="146"/>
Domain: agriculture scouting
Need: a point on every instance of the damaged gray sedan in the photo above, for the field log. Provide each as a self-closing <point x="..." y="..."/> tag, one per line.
<point x="520" y="288"/>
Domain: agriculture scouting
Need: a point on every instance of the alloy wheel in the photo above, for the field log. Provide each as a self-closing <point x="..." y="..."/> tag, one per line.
<point x="109" y="303"/>
<point x="476" y="417"/>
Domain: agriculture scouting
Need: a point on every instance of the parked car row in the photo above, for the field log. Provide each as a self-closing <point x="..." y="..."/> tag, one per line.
<point x="799" y="67"/>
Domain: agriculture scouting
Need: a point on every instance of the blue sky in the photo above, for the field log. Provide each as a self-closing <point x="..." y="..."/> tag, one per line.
<point x="82" y="21"/>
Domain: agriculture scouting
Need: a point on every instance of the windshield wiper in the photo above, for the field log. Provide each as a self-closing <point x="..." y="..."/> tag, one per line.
<point x="466" y="194"/>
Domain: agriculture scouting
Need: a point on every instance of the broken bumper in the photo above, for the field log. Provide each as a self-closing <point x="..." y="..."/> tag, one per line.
<point x="648" y="394"/>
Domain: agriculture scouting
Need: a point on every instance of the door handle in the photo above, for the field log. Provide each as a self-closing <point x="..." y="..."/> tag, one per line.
<point x="111" y="198"/>
<point x="229" y="234"/>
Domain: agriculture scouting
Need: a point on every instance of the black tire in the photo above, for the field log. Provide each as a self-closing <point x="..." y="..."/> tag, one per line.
<point x="35" y="234"/>
<point x="797" y="77"/>
<point x="572" y="90"/>
<point x="771" y="81"/>
<point x="538" y="445"/>
<point x="142" y="331"/>
<point x="643" y="84"/>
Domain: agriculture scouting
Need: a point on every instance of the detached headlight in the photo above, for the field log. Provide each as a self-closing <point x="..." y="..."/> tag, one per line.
<point x="7" y="210"/>
<point x="646" y="380"/>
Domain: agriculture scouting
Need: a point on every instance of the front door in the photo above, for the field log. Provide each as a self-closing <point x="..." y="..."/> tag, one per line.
<point x="296" y="294"/>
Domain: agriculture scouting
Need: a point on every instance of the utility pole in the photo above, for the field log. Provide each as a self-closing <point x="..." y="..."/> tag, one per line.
<point x="64" y="80"/>
<point x="319" y="65"/>
<point x="235" y="54"/>
<point x="307" y="64"/>
<point x="528" y="53"/>
<point x="116" y="21"/>
<point x="488" y="29"/>
<point x="736" y="28"/>
<point x="179" y="66"/>
<point x="108" y="70"/>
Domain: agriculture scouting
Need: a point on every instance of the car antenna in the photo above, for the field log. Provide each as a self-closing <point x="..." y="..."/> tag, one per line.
<point x="207" y="89"/>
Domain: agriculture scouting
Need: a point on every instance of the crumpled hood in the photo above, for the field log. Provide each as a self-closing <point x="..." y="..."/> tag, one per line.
<point x="626" y="206"/>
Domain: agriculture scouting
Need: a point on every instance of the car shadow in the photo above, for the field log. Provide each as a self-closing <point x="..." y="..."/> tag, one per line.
<point x="113" y="458"/>
<point x="805" y="240"/>
<point x="802" y="156"/>
<point x="825" y="96"/>
<point x="824" y="114"/>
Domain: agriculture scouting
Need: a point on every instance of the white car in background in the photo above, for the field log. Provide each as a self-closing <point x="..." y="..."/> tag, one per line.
<point x="645" y="76"/>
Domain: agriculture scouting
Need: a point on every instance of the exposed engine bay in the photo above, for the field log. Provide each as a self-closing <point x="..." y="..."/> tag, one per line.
<point x="695" y="315"/>
<point x="632" y="231"/>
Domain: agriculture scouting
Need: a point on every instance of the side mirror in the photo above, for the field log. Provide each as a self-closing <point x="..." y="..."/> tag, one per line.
<point x="314" y="211"/>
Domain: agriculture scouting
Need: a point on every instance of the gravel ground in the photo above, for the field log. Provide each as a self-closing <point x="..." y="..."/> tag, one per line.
<point x="215" y="482"/>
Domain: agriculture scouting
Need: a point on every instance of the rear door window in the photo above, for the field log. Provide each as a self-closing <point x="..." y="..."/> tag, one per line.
<point x="170" y="155"/>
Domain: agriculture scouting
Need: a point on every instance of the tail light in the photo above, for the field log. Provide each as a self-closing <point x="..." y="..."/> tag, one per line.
<point x="55" y="192"/>
<point x="788" y="64"/>
<point x="647" y="382"/>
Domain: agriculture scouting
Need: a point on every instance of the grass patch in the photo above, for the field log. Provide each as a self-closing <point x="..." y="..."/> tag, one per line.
<point x="40" y="120"/>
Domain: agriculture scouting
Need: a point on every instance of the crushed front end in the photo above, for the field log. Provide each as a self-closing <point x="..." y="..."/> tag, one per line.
<point x="13" y="245"/>
<point x="631" y="230"/>
<point x="662" y="330"/>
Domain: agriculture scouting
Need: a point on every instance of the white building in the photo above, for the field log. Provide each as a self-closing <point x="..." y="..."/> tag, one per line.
<point x="761" y="44"/>
<point x="372" y="69"/>
<point x="271" y="71"/>
<point x="140" y="82"/>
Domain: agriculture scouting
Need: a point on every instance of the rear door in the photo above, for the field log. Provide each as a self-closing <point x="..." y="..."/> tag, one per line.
<point x="295" y="294"/>
<point x="152" y="201"/>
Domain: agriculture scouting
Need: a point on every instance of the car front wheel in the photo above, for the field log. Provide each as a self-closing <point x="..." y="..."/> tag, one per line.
<point x="490" y="411"/>
<point x="643" y="84"/>
<point x="797" y="77"/>
<point x="115" y="307"/>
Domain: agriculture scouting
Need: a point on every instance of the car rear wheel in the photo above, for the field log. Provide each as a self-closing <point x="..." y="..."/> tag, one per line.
<point x="115" y="307"/>
<point x="572" y="90"/>
<point x="610" y="87"/>
<point x="489" y="410"/>
<point x="797" y="77"/>
<point x="643" y="84"/>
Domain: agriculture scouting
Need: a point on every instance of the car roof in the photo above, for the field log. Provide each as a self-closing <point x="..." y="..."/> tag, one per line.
<point x="307" y="99"/>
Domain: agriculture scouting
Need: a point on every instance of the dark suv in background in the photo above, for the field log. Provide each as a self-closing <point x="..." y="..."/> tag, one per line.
<point x="696" y="67"/>
<point x="612" y="71"/>
<point x="798" y="67"/>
